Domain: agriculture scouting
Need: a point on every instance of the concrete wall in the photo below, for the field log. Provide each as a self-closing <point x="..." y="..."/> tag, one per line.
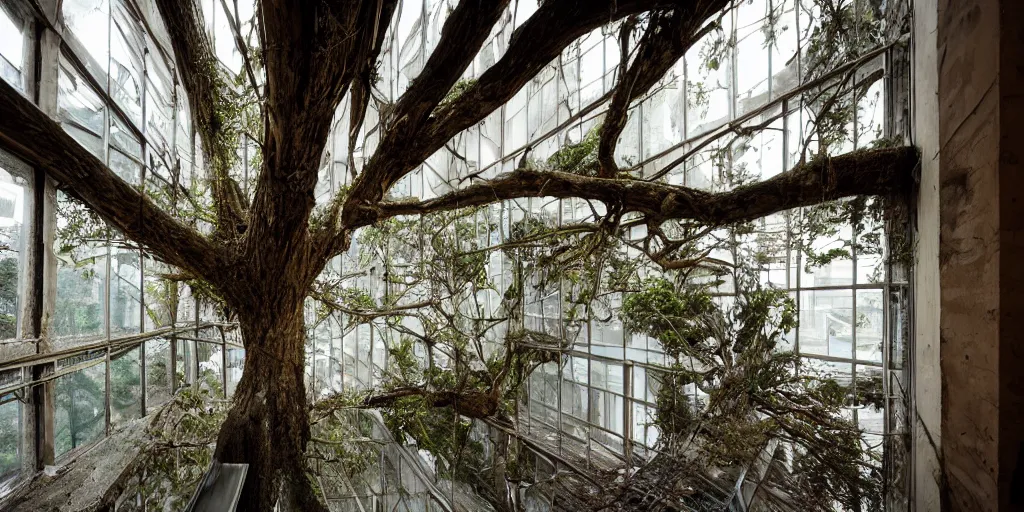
<point x="926" y="384"/>
<point x="981" y="252"/>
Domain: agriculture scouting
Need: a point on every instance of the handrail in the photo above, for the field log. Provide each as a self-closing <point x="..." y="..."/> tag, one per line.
<point x="116" y="344"/>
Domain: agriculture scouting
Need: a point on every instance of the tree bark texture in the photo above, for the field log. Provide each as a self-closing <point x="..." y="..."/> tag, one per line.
<point x="33" y="136"/>
<point x="268" y="427"/>
<point x="877" y="172"/>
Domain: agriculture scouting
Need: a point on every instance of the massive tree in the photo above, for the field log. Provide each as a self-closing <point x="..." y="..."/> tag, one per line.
<point x="263" y="258"/>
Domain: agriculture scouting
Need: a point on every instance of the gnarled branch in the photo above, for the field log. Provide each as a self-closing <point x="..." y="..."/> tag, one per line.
<point x="313" y="51"/>
<point x="667" y="38"/>
<point x="865" y="172"/>
<point x="534" y="45"/>
<point x="40" y="141"/>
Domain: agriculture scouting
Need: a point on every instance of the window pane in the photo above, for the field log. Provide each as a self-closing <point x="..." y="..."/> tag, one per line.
<point x="15" y="212"/>
<point x="79" y="109"/>
<point x="10" y="439"/>
<point x="81" y="271"/>
<point x="126" y="61"/>
<point x="184" y="364"/>
<point x="125" y="295"/>
<point x="89" y="21"/>
<point x="870" y="314"/>
<point x="158" y="294"/>
<point x="826" y="323"/>
<point x="80" y="408"/>
<point x="871" y="407"/>
<point x="125" y="387"/>
<point x="159" y="130"/>
<point x="12" y="49"/>
<point x="236" y="363"/>
<point x="125" y="153"/>
<point x="210" y="368"/>
<point x="158" y="382"/>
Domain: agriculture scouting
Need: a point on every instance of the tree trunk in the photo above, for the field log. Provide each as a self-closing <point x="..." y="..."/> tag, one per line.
<point x="268" y="426"/>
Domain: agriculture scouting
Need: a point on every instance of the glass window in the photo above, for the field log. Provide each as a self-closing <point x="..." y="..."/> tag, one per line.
<point x="80" y="408"/>
<point x="186" y="304"/>
<point x="830" y="270"/>
<point x="870" y="316"/>
<point x="127" y="47"/>
<point x="158" y="294"/>
<point x="826" y="323"/>
<point x="236" y="363"/>
<point x="211" y="364"/>
<point x="184" y="364"/>
<point x="125" y="152"/>
<point x="80" y="110"/>
<point x="159" y="127"/>
<point x="81" y="271"/>
<point x="125" y="292"/>
<point x="15" y="213"/>
<point x="12" y="48"/>
<point x="871" y="406"/>
<point x="88" y="22"/>
<point x="158" y="382"/>
<point x="125" y="386"/>
<point x="10" y="439"/>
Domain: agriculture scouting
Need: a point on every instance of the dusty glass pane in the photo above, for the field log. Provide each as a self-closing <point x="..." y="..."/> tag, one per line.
<point x="125" y="294"/>
<point x="211" y="368"/>
<point x="752" y="65"/>
<point x="81" y="273"/>
<point x="184" y="364"/>
<point x="89" y="21"/>
<point x="870" y="318"/>
<point x="828" y="260"/>
<point x="10" y="438"/>
<point x="158" y="379"/>
<point x="871" y="407"/>
<point x="826" y="322"/>
<point x="12" y="49"/>
<point x="80" y="408"/>
<point x="15" y="214"/>
<point x="157" y="294"/>
<point x="236" y="363"/>
<point x="127" y="46"/>
<point x="79" y="109"/>
<point x="125" y="386"/>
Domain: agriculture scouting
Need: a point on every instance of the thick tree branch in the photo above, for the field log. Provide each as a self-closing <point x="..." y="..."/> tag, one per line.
<point x="667" y="38"/>
<point x="465" y="31"/>
<point x="471" y="404"/>
<point x="361" y="92"/>
<point x="36" y="138"/>
<point x="200" y="75"/>
<point x="313" y="51"/>
<point x="554" y="26"/>
<point x="866" y="172"/>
